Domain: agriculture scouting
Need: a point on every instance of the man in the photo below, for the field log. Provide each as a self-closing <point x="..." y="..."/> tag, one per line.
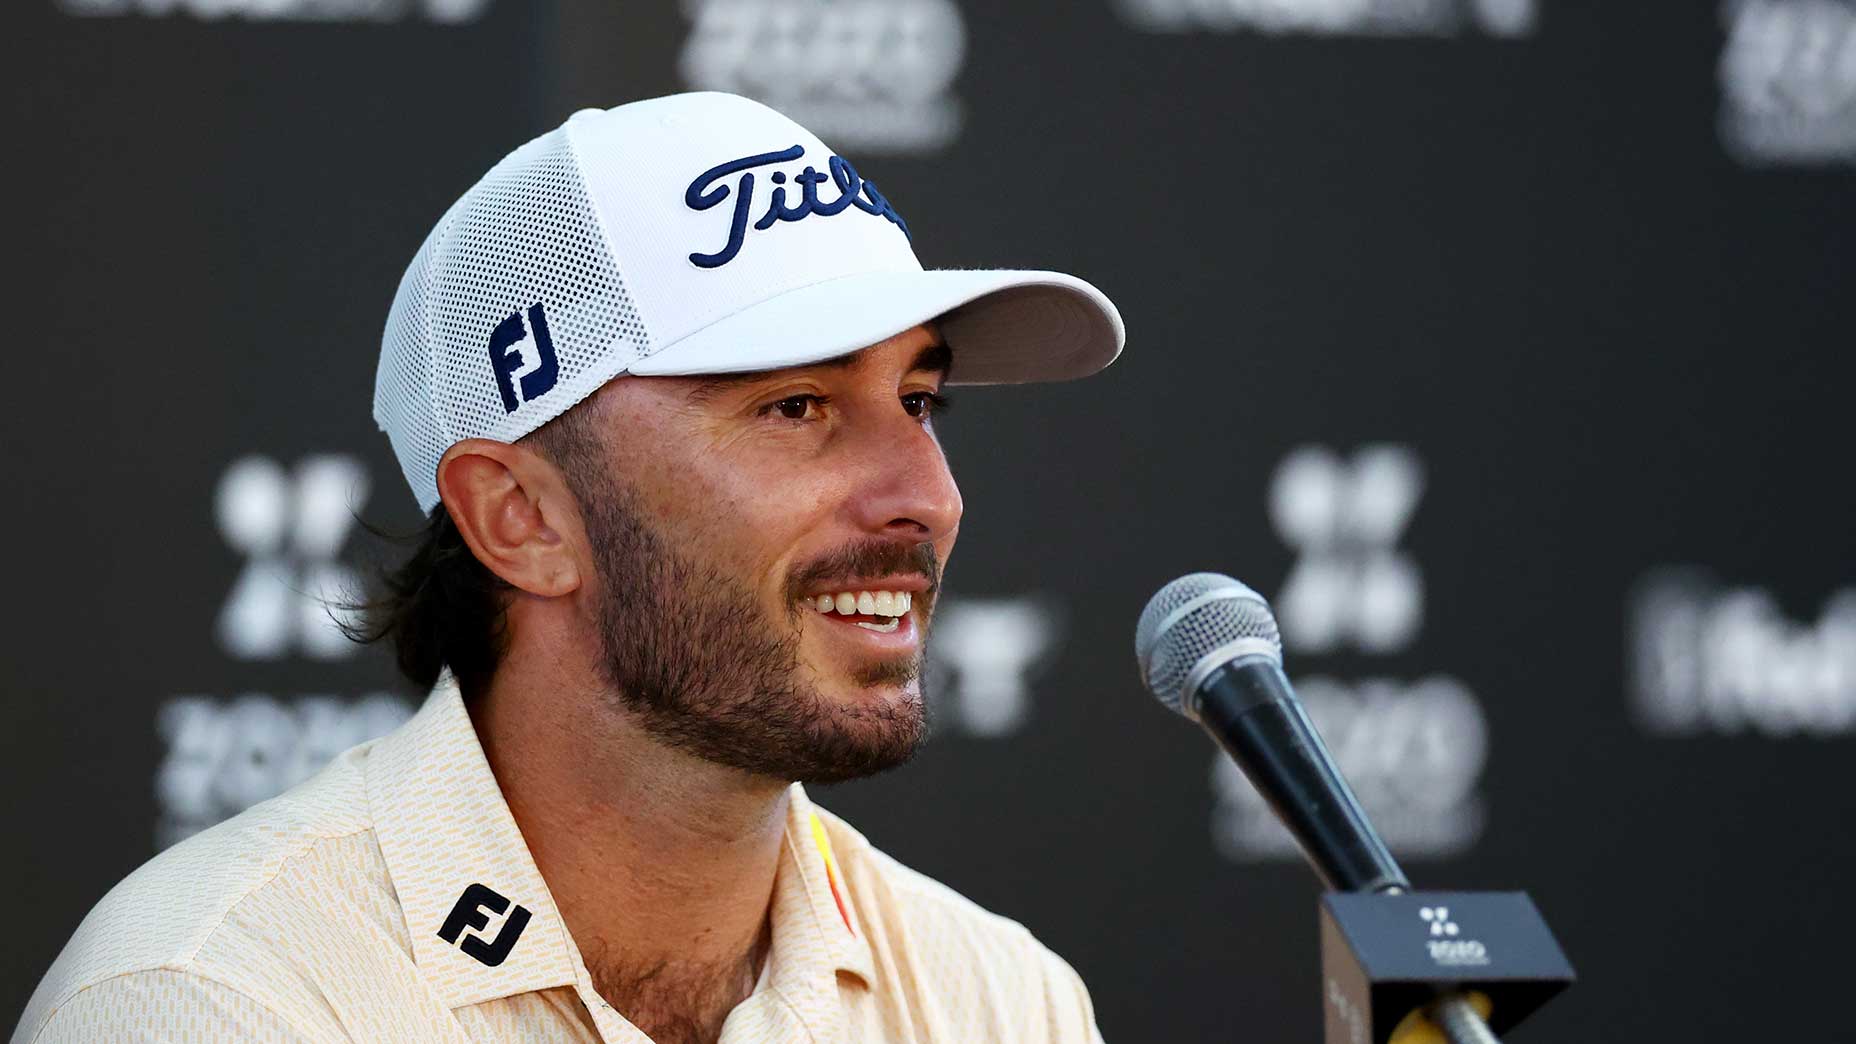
<point x="665" y="381"/>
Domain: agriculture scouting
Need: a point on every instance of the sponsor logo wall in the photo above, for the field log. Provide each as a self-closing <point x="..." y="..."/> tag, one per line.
<point x="1412" y="749"/>
<point x="1708" y="658"/>
<point x="1395" y="18"/>
<point x="439" y="12"/>
<point x="1788" y="81"/>
<point x="871" y="75"/>
<point x="290" y="528"/>
<point x="227" y="753"/>
<point x="985" y="655"/>
<point x="1500" y="342"/>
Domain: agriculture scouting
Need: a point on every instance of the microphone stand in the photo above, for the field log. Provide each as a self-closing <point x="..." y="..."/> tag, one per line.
<point x="1461" y="1023"/>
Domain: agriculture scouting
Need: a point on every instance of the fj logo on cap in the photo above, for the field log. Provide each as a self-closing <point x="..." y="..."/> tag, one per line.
<point x="468" y="913"/>
<point x="853" y="191"/>
<point x="523" y="358"/>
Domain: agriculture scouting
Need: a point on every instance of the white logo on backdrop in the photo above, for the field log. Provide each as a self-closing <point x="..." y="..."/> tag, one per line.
<point x="442" y="12"/>
<point x="1712" y="659"/>
<point x="224" y="757"/>
<point x="986" y="650"/>
<point x="869" y="75"/>
<point x="1413" y="750"/>
<point x="1350" y="585"/>
<point x="1498" y="18"/>
<point x="1788" y="80"/>
<point x="290" y="528"/>
<point x="1413" y="753"/>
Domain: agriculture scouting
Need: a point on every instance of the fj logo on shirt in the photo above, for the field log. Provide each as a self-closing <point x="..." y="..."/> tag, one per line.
<point x="523" y="358"/>
<point x="468" y="913"/>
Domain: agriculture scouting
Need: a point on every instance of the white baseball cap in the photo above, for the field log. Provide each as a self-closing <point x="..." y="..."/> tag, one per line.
<point x="692" y="234"/>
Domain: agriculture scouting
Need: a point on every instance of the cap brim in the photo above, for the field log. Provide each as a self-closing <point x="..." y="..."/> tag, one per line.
<point x="1003" y="327"/>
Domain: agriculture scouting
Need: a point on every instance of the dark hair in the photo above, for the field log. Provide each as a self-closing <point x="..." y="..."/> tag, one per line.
<point x="444" y="608"/>
<point x="441" y="607"/>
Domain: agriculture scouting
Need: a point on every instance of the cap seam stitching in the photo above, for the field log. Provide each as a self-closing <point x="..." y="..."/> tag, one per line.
<point x="605" y="238"/>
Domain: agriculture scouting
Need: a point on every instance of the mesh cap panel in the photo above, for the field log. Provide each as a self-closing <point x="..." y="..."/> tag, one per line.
<point x="526" y="235"/>
<point x="1190" y="618"/>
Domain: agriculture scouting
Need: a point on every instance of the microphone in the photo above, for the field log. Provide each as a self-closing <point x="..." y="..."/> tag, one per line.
<point x="1209" y="649"/>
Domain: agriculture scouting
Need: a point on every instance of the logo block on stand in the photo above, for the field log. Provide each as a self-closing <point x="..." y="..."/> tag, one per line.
<point x="1384" y="957"/>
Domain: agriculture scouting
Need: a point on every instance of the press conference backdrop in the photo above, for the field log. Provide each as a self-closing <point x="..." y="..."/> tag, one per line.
<point x="1502" y="343"/>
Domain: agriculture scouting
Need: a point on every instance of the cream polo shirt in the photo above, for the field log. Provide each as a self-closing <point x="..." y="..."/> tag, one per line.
<point x="391" y="898"/>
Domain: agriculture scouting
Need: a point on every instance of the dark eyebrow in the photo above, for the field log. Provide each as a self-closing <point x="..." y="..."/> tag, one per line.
<point x="936" y="358"/>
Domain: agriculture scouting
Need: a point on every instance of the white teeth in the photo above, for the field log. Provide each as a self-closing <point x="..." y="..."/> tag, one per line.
<point x="866" y="603"/>
<point x="883" y="628"/>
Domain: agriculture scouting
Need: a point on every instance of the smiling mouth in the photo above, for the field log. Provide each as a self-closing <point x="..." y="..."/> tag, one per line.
<point x="880" y="611"/>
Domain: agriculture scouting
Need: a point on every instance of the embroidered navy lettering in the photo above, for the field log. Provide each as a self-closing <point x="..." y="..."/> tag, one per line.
<point x="523" y="358"/>
<point x="853" y="190"/>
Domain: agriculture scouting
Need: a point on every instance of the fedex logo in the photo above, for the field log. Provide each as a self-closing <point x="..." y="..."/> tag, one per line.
<point x="522" y="357"/>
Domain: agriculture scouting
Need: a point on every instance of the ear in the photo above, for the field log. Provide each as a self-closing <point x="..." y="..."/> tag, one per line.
<point x="514" y="511"/>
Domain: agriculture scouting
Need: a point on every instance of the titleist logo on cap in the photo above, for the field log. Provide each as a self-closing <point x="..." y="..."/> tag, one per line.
<point x="853" y="191"/>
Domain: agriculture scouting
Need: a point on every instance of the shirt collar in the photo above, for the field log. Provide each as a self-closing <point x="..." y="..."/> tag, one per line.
<point x="462" y="870"/>
<point x="816" y="928"/>
<point x="459" y="863"/>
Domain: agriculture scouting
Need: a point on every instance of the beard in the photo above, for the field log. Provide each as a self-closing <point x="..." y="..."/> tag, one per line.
<point x="693" y="657"/>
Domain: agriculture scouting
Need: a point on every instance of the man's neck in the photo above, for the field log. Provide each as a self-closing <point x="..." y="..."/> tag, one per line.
<point x="662" y="865"/>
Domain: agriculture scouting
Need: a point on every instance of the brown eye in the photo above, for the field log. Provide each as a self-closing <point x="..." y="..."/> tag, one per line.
<point x="924" y="404"/>
<point x="795" y="407"/>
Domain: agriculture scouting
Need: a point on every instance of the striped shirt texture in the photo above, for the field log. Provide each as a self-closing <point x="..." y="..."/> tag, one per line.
<point x="391" y="898"/>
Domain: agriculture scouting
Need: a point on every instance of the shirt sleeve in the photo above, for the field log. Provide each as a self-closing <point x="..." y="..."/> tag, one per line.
<point x="161" y="1005"/>
<point x="1066" y="1001"/>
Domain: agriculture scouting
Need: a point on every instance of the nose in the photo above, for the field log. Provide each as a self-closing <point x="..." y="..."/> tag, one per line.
<point x="904" y="489"/>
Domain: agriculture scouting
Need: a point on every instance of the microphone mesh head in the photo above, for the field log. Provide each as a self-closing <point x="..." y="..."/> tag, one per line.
<point x="1190" y="618"/>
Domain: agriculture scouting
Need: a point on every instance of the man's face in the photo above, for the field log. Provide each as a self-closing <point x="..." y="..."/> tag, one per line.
<point x="733" y="521"/>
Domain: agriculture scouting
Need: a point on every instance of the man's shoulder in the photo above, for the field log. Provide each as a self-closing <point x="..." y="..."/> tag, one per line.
<point x="230" y="892"/>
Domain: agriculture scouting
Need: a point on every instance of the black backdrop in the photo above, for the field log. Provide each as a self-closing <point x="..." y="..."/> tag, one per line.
<point x="1504" y="344"/>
